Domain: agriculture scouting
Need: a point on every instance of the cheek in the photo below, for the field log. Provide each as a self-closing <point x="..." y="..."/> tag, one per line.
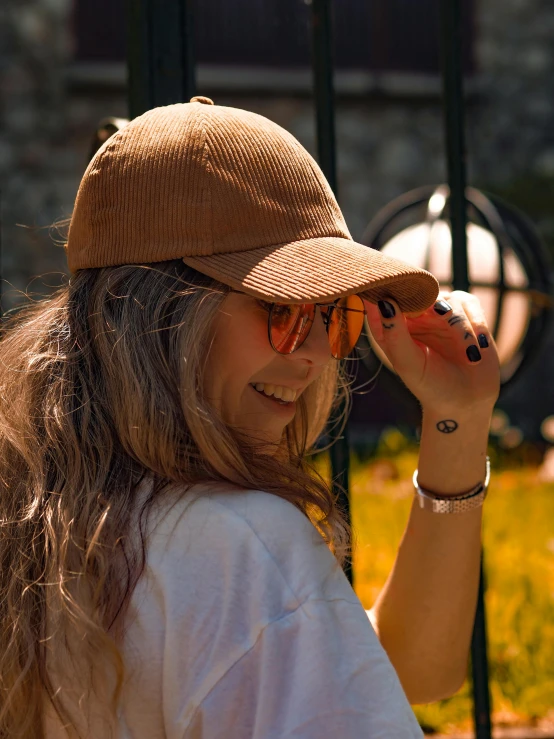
<point x="247" y="361"/>
<point x="239" y="352"/>
<point x="244" y="348"/>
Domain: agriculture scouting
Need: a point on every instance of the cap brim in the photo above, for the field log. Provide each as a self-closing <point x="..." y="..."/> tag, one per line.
<point x="321" y="270"/>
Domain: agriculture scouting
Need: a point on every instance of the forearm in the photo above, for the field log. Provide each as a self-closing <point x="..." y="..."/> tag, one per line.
<point x="424" y="614"/>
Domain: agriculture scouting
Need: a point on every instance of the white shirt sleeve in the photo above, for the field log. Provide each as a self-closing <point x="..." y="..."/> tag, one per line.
<point x="316" y="673"/>
<point x="251" y="630"/>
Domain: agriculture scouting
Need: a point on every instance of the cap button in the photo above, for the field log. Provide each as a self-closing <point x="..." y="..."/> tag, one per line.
<point x="201" y="99"/>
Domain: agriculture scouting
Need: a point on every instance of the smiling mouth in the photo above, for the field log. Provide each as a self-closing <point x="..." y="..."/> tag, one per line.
<point x="279" y="401"/>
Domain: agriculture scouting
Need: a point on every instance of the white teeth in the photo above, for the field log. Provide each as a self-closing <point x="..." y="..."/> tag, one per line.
<point x="288" y="394"/>
<point x="278" y="391"/>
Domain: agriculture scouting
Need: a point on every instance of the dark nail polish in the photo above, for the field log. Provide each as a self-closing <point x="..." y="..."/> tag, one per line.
<point x="442" y="307"/>
<point x="386" y="308"/>
<point x="473" y="353"/>
<point x="483" y="341"/>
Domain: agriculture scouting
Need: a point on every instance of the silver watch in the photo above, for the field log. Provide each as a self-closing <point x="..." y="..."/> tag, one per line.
<point x="453" y="503"/>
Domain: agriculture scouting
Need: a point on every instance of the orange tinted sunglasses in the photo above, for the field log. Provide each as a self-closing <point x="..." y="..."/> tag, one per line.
<point x="289" y="325"/>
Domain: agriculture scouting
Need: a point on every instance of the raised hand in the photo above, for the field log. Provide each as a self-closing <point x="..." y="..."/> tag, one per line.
<point x="446" y="355"/>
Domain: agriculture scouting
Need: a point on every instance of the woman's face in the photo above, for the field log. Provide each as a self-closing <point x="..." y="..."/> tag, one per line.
<point x="241" y="359"/>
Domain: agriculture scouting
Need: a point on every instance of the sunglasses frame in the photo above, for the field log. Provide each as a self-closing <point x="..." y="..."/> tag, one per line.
<point x="326" y="321"/>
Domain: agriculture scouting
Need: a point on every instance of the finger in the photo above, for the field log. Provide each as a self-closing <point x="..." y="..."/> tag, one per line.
<point x="440" y="306"/>
<point x="374" y="320"/>
<point x="476" y="316"/>
<point x="390" y="330"/>
<point x="418" y="314"/>
<point x="459" y="321"/>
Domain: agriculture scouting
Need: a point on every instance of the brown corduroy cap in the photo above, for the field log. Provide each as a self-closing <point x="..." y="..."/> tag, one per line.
<point x="238" y="198"/>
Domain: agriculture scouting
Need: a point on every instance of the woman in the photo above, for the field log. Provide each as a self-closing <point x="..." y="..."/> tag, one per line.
<point x="171" y="564"/>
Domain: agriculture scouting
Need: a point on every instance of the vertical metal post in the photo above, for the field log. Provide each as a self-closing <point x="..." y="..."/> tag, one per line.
<point x="322" y="60"/>
<point x="453" y="107"/>
<point x="160" y="53"/>
<point x="480" y="667"/>
<point x="453" y="102"/>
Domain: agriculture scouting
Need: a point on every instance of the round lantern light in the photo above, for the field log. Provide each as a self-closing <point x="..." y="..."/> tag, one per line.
<point x="509" y="269"/>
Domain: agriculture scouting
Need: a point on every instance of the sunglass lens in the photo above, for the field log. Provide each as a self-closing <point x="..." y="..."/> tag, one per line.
<point x="289" y="326"/>
<point x="345" y="325"/>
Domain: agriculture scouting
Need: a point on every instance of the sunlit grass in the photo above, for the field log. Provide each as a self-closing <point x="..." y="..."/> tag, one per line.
<point x="519" y="564"/>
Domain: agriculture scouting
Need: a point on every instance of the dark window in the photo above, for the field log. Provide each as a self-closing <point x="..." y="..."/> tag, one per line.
<point x="99" y="30"/>
<point x="394" y="35"/>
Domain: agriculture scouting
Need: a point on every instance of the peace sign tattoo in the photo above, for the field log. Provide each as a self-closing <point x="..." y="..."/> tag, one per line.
<point x="448" y="426"/>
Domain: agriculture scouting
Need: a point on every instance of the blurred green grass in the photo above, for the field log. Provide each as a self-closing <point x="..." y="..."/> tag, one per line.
<point x="518" y="535"/>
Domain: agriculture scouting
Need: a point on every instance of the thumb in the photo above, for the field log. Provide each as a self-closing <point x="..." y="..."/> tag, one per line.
<point x="389" y="328"/>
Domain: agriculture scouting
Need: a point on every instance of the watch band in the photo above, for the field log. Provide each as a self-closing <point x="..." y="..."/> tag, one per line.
<point x="453" y="503"/>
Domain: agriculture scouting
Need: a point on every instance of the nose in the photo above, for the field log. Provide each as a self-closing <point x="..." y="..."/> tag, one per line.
<point x="315" y="349"/>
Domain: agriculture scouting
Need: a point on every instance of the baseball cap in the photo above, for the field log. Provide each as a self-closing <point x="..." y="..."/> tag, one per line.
<point x="236" y="197"/>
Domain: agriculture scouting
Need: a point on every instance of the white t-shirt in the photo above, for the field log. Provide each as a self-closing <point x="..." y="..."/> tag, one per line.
<point x="243" y="626"/>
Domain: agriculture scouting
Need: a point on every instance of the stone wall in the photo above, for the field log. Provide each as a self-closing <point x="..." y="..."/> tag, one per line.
<point x="35" y="45"/>
<point x="513" y="126"/>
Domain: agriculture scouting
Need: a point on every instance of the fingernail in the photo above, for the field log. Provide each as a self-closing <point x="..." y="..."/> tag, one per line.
<point x="483" y="341"/>
<point x="473" y="353"/>
<point x="386" y="308"/>
<point x="442" y="307"/>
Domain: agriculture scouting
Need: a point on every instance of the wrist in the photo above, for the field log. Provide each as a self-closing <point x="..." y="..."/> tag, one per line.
<point x="453" y="448"/>
<point x="453" y="428"/>
<point x="450" y="503"/>
<point x="481" y="412"/>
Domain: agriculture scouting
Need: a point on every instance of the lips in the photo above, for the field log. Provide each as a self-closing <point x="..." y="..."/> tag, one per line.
<point x="280" y="392"/>
<point x="275" y="402"/>
<point x="275" y="399"/>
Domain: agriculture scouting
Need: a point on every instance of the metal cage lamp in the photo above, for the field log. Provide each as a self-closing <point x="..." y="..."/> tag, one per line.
<point x="509" y="268"/>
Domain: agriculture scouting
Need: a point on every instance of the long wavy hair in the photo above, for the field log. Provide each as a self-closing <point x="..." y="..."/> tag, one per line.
<point x="99" y="388"/>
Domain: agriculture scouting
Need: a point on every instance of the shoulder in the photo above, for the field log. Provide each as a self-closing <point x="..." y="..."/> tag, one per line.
<point x="219" y="505"/>
<point x="223" y="529"/>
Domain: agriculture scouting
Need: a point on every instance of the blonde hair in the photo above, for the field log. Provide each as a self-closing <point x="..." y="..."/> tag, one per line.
<point x="99" y="386"/>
